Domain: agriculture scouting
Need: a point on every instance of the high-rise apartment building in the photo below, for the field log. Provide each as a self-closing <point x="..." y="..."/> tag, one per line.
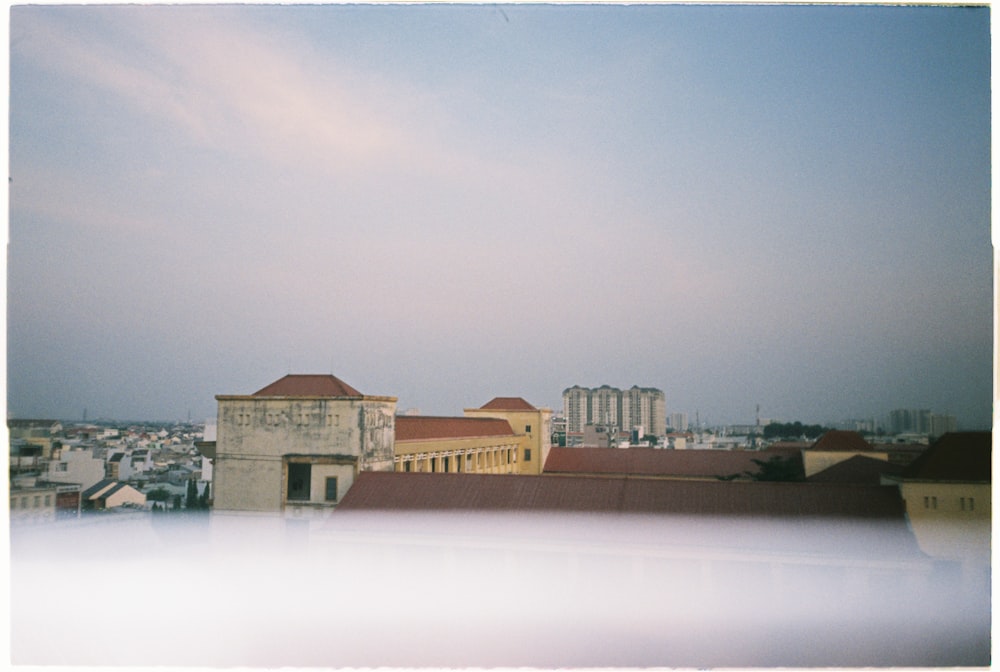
<point x="921" y="421"/>
<point x="679" y="422"/>
<point x="636" y="407"/>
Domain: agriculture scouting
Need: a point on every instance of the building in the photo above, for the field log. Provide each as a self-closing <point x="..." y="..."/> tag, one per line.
<point x="534" y="423"/>
<point x="37" y="501"/>
<point x="948" y="496"/>
<point x="298" y="444"/>
<point x="678" y="422"/>
<point x="111" y="494"/>
<point x="636" y="408"/>
<point x="76" y="465"/>
<point x="836" y="446"/>
<point x="457" y="445"/>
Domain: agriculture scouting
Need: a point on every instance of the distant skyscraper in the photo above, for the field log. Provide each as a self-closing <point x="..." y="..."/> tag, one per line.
<point x="941" y="424"/>
<point x="679" y="422"/>
<point x="921" y="421"/>
<point x="643" y="407"/>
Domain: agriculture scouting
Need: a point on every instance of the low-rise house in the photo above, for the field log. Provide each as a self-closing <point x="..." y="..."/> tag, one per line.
<point x="75" y="465"/>
<point x="110" y="494"/>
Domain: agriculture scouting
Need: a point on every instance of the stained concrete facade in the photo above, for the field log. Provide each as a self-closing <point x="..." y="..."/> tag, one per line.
<point x="298" y="444"/>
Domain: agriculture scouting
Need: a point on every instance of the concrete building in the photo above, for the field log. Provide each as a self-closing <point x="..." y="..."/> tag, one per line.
<point x="534" y="423"/>
<point x="948" y="496"/>
<point x="457" y="445"/>
<point x="678" y="422"/>
<point x="37" y="501"/>
<point x="75" y="466"/>
<point x="638" y="407"/>
<point x="298" y="444"/>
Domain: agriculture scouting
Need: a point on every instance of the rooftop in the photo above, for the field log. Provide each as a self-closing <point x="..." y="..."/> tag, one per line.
<point x="486" y="492"/>
<point x="508" y="404"/>
<point x="308" y="385"/>
<point x="656" y="462"/>
<point x="857" y="469"/>
<point x="956" y="456"/>
<point x="842" y="440"/>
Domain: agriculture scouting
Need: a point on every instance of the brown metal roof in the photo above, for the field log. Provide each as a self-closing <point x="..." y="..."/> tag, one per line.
<point x="308" y="385"/>
<point x="508" y="404"/>
<point x="425" y="427"/>
<point x="956" y="456"/>
<point x="842" y="440"/>
<point x="657" y="462"/>
<point x="483" y="492"/>
<point x="856" y="469"/>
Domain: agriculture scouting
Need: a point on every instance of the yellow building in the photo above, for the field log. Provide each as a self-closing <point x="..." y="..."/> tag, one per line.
<point x="456" y="445"/>
<point x="534" y="423"/>
<point x="947" y="491"/>
<point x="835" y="447"/>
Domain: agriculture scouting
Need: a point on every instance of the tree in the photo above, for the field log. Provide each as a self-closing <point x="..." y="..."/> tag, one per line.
<point x="777" y="468"/>
<point x="203" y="502"/>
<point x="160" y="494"/>
<point x="177" y="502"/>
<point x="192" y="495"/>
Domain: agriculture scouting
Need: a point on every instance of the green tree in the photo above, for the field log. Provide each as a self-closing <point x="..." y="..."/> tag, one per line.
<point x="192" y="495"/>
<point x="777" y="468"/>
<point x="177" y="503"/>
<point x="160" y="494"/>
<point x="203" y="502"/>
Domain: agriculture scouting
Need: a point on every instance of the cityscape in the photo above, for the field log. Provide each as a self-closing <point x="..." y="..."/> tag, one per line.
<point x="494" y="336"/>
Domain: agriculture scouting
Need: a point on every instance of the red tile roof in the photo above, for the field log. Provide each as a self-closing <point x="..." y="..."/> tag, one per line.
<point x="375" y="490"/>
<point x="841" y="440"/>
<point x="308" y="385"/>
<point x="956" y="456"/>
<point x="857" y="469"/>
<point x="656" y="462"/>
<point x="425" y="427"/>
<point x="508" y="404"/>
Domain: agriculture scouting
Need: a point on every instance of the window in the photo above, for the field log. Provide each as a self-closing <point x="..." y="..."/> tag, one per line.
<point x="406" y="465"/>
<point x="527" y="429"/>
<point x="527" y="454"/>
<point x="299" y="476"/>
<point x="48" y="500"/>
<point x="331" y="488"/>
<point x="930" y="502"/>
<point x="968" y="504"/>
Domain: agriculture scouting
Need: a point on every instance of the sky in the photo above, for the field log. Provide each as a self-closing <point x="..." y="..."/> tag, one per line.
<point x="783" y="206"/>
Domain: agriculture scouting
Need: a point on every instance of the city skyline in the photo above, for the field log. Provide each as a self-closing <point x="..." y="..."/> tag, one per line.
<point x="783" y="206"/>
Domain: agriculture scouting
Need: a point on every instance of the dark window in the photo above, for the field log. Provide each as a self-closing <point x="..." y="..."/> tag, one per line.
<point x="527" y="454"/>
<point x="527" y="428"/>
<point x="447" y="464"/>
<point x="299" y="476"/>
<point x="331" y="488"/>
<point x="406" y="465"/>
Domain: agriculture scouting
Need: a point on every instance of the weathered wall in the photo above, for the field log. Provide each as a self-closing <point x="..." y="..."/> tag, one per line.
<point x="257" y="435"/>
